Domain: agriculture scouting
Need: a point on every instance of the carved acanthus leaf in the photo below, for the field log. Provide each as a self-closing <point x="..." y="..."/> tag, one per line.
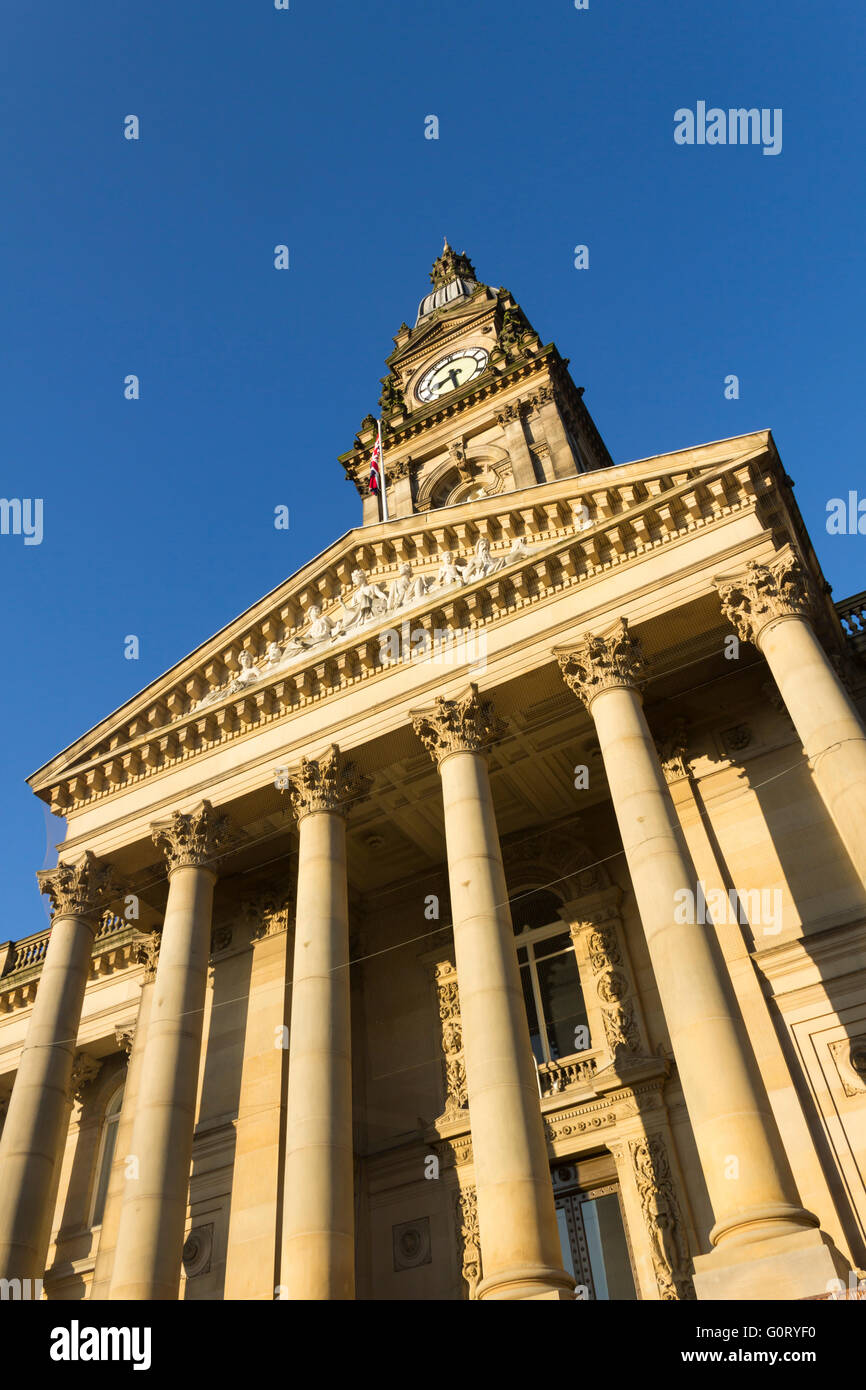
<point x="81" y="888"/>
<point x="604" y="663"/>
<point x="467" y="725"/>
<point x="191" y="839"/>
<point x="763" y="593"/>
<point x="329" y="783"/>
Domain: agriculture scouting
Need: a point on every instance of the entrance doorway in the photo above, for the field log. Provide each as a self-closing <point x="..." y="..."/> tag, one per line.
<point x="595" y="1248"/>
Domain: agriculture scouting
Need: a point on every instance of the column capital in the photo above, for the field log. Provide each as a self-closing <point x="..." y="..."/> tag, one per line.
<point x="469" y="724"/>
<point x="190" y="839"/>
<point x="760" y="594"/>
<point x="80" y="889"/>
<point x="607" y="662"/>
<point x="329" y="783"/>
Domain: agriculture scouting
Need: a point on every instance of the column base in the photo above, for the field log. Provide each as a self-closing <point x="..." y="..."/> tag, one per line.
<point x="534" y="1281"/>
<point x="800" y="1265"/>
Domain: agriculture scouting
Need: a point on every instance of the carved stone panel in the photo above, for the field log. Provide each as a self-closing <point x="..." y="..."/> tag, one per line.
<point x="468" y="1237"/>
<point x="663" y="1217"/>
<point x="451" y="1032"/>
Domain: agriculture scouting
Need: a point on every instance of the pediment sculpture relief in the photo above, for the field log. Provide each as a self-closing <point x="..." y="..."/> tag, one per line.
<point x="367" y="603"/>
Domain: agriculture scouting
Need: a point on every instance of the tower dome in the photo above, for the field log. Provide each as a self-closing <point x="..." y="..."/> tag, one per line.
<point x="453" y="277"/>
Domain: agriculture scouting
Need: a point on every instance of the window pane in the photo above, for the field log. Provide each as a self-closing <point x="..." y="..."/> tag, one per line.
<point x="551" y="944"/>
<point x="536" y="909"/>
<point x="565" y="1241"/>
<point x="561" y="1001"/>
<point x="532" y="1016"/>
<point x="608" y="1252"/>
<point x="104" y="1170"/>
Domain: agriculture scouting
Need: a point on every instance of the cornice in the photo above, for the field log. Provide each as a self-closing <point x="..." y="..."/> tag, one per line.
<point x="633" y="512"/>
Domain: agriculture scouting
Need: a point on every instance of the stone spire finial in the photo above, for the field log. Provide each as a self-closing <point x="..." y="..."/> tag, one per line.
<point x="761" y="593"/>
<point x="329" y="783"/>
<point x="451" y="265"/>
<point x="77" y="890"/>
<point x="603" y="663"/>
<point x="467" y="725"/>
<point x="191" y="839"/>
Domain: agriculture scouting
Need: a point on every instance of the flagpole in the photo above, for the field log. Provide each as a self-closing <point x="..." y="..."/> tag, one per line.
<point x="383" y="488"/>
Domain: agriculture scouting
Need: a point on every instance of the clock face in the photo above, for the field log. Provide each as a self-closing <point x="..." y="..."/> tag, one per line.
<point x="450" y="373"/>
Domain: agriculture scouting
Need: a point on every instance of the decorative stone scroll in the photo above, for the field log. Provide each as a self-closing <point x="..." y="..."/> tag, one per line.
<point x="453" y="1064"/>
<point x="671" y="745"/>
<point x="84" y="1070"/>
<point x="663" y="1217"/>
<point x="468" y="1237"/>
<point x="763" y="593"/>
<point x="467" y="725"/>
<point x="607" y="662"/>
<point x="80" y="889"/>
<point x="147" y="954"/>
<point x="124" y="1037"/>
<point x="329" y="783"/>
<point x="191" y="839"/>
<point x="268" y="914"/>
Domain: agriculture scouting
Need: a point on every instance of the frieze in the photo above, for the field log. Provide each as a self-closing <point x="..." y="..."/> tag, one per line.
<point x="272" y="682"/>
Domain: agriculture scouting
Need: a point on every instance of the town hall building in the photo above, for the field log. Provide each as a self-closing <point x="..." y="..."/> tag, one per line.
<point x="482" y="913"/>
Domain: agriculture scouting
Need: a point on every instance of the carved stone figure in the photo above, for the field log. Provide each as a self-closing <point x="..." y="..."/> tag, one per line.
<point x="319" y="631"/>
<point x="448" y="572"/>
<point x="367" y="601"/>
<point x="406" y="588"/>
<point x="482" y="562"/>
<point x="663" y="1217"/>
<point x="247" y="675"/>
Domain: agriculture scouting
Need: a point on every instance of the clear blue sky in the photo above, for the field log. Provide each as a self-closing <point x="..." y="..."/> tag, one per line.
<point x="306" y="127"/>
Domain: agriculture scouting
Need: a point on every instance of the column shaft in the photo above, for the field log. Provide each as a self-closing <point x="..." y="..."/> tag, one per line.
<point x="38" y="1116"/>
<point x="147" y="1259"/>
<point x="318" y="1258"/>
<point x="102" y="1272"/>
<point x="829" y="726"/>
<point x="521" y="1252"/>
<point x="730" y="1119"/>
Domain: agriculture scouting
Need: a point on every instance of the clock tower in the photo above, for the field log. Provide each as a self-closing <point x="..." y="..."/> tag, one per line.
<point x="473" y="404"/>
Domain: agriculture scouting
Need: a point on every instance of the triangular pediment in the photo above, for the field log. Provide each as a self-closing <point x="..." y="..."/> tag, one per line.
<point x="458" y="567"/>
<point x="441" y="330"/>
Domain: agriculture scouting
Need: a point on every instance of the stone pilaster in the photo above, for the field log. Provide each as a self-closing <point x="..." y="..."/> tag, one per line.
<point x="516" y="1216"/>
<point x="318" y="1257"/>
<point x="35" y="1130"/>
<point x="147" y="1260"/>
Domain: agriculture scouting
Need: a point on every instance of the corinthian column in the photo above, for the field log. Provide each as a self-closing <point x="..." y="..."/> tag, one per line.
<point x="766" y="1243"/>
<point x="147" y="1259"/>
<point x="318" y="1242"/>
<point x="771" y="606"/>
<point x="520" y="1246"/>
<point x="36" y="1124"/>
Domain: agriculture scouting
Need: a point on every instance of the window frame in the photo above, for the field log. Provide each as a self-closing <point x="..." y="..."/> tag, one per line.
<point x="528" y="937"/>
<point x="110" y="1120"/>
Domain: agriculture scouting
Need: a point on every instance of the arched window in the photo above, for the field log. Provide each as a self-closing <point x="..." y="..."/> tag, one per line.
<point x="558" y="1024"/>
<point x="105" y="1157"/>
